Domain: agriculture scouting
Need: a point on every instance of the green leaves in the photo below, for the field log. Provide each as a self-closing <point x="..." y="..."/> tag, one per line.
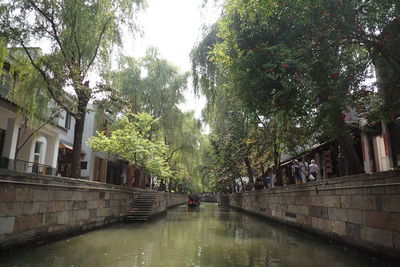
<point x="132" y="140"/>
<point x="81" y="36"/>
<point x="153" y="85"/>
<point x="297" y="66"/>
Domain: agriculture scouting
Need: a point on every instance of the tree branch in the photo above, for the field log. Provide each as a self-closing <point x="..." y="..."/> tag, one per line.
<point x="172" y="154"/>
<point x="103" y="30"/>
<point x="77" y="44"/>
<point x="259" y="119"/>
<point x="53" y="25"/>
<point x="18" y="148"/>
<point x="46" y="80"/>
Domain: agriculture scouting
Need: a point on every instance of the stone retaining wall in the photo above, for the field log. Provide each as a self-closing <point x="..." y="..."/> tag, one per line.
<point x="166" y="200"/>
<point x="362" y="210"/>
<point x="36" y="208"/>
<point x="223" y="199"/>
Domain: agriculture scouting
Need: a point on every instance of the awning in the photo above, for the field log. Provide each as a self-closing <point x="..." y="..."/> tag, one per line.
<point x="65" y="146"/>
<point x="304" y="153"/>
<point x="286" y="163"/>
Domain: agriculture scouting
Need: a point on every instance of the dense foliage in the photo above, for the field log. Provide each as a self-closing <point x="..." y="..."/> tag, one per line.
<point x="80" y="37"/>
<point x="133" y="141"/>
<point x="278" y="76"/>
<point x="153" y="85"/>
<point x="298" y="67"/>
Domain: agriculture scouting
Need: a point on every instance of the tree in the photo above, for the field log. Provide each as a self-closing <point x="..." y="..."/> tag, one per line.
<point x="282" y="63"/>
<point x="132" y="139"/>
<point x="267" y="130"/>
<point x="298" y="66"/>
<point x="374" y="26"/>
<point x="152" y="84"/>
<point x="81" y="35"/>
<point x="204" y="162"/>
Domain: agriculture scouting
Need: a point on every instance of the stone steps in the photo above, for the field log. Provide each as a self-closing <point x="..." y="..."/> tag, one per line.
<point x="142" y="207"/>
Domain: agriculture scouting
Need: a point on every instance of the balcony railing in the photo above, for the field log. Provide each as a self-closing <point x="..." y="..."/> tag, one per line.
<point x="26" y="166"/>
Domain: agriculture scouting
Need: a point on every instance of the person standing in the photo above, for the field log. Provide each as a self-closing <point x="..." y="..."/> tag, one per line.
<point x="303" y="170"/>
<point x="296" y="172"/>
<point x="313" y="170"/>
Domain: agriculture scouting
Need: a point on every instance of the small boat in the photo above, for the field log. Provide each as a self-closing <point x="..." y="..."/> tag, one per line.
<point x="193" y="201"/>
<point x="193" y="205"/>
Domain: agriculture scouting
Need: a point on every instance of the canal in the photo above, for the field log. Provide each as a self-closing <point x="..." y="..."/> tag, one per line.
<point x="209" y="236"/>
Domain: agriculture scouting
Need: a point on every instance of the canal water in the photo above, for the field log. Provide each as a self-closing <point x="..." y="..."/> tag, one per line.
<point x="208" y="236"/>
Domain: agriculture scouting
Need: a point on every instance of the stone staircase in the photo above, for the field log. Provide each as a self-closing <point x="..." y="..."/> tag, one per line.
<point x="141" y="208"/>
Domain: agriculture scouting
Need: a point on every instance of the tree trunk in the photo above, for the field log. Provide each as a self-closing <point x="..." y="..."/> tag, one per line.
<point x="386" y="61"/>
<point x="338" y="128"/>
<point x="78" y="134"/>
<point x="388" y="81"/>
<point x="347" y="148"/>
<point x="277" y="167"/>
<point x="161" y="186"/>
<point x="249" y="169"/>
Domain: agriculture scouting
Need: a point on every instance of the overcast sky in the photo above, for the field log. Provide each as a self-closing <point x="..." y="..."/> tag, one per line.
<point x="173" y="26"/>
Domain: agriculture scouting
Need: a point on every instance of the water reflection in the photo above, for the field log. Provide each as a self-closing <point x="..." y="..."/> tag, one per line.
<point x="207" y="236"/>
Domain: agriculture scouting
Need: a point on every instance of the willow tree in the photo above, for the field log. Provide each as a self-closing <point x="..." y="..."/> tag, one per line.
<point x="152" y="84"/>
<point x="187" y="147"/>
<point x="78" y="38"/>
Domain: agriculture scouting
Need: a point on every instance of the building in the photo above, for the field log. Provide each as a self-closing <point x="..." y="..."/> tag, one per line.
<point x="46" y="148"/>
<point x="25" y="147"/>
<point x="377" y="145"/>
<point x="95" y="166"/>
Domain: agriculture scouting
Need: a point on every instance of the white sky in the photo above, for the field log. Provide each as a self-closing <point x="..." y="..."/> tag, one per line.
<point x="173" y="26"/>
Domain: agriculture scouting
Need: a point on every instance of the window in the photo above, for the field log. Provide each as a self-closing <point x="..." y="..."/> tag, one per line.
<point x="2" y="137"/>
<point x="38" y="146"/>
<point x="83" y="165"/>
<point x="68" y="118"/>
<point x="36" y="157"/>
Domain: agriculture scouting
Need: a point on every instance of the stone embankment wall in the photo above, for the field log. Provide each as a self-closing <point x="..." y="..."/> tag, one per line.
<point x="166" y="200"/>
<point x="362" y="210"/>
<point x="223" y="199"/>
<point x="36" y="208"/>
<point x="208" y="197"/>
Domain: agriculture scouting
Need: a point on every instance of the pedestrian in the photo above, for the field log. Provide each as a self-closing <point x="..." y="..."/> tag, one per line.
<point x="273" y="180"/>
<point x="296" y="172"/>
<point x="303" y="170"/>
<point x="269" y="182"/>
<point x="313" y="170"/>
<point x="285" y="177"/>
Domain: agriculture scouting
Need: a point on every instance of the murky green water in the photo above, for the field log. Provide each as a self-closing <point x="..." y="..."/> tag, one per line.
<point x="209" y="236"/>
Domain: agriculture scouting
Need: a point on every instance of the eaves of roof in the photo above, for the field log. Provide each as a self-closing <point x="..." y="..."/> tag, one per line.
<point x="11" y="105"/>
